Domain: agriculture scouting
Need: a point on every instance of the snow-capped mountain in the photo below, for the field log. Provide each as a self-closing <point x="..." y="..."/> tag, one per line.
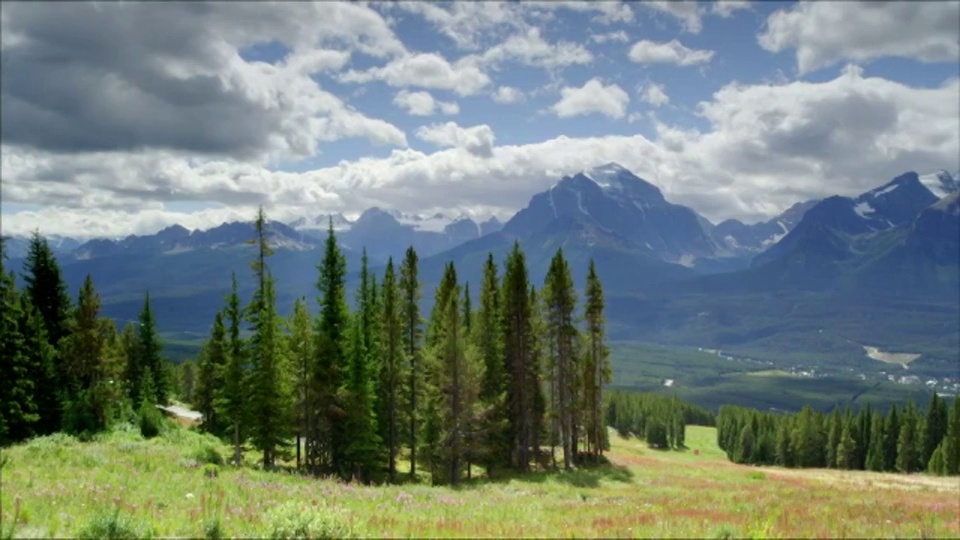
<point x="826" y="229"/>
<point x="756" y="237"/>
<point x="613" y="203"/>
<point x="16" y="247"/>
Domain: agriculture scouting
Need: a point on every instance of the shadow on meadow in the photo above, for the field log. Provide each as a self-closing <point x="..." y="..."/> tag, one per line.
<point x="589" y="475"/>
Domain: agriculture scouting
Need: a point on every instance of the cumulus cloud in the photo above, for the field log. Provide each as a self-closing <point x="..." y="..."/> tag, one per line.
<point x="507" y="94"/>
<point x="592" y="97"/>
<point x="619" y="35"/>
<point x="671" y="52"/>
<point x="477" y="140"/>
<point x="423" y="104"/>
<point x="687" y="12"/>
<point x="655" y="94"/>
<point x="531" y="49"/>
<point x="826" y="33"/>
<point x="184" y="87"/>
<point x="425" y="70"/>
<point x="726" y="8"/>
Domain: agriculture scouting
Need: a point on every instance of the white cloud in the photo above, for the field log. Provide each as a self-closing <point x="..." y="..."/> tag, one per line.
<point x="425" y="70"/>
<point x="477" y="140"/>
<point x="423" y="104"/>
<point x="725" y="8"/>
<point x="655" y="94"/>
<point x="593" y="97"/>
<point x="531" y="49"/>
<point x="826" y="33"/>
<point x="507" y="94"/>
<point x="687" y="12"/>
<point x="619" y="35"/>
<point x="185" y="88"/>
<point x="767" y="147"/>
<point x="671" y="52"/>
<point x="467" y="24"/>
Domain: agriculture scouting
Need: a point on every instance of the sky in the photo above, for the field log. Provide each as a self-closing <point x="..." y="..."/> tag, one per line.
<point x="126" y="117"/>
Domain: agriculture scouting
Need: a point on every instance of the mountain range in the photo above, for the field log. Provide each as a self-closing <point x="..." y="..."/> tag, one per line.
<point x="669" y="273"/>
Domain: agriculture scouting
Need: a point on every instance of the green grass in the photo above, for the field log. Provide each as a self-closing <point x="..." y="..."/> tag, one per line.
<point x="57" y="486"/>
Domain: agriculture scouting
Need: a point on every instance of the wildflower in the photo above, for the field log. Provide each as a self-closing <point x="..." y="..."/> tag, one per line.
<point x="189" y="495"/>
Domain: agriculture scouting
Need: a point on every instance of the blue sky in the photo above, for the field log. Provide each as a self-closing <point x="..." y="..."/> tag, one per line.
<point x="112" y="127"/>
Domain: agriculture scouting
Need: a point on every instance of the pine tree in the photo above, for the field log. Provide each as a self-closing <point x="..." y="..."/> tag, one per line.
<point x="596" y="367"/>
<point x="907" y="448"/>
<point x="269" y="403"/>
<point x="560" y="300"/>
<point x="393" y="368"/>
<point x="934" y="429"/>
<point x="231" y="399"/>
<point x="150" y="354"/>
<point x="951" y="442"/>
<point x="210" y="376"/>
<point x="517" y="337"/>
<point x="300" y="345"/>
<point x="327" y="445"/>
<point x="412" y="336"/>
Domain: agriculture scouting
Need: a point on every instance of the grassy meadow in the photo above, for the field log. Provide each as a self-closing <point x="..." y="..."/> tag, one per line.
<point x="57" y="487"/>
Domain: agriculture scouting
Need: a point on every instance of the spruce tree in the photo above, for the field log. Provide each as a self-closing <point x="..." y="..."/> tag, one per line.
<point x="328" y="442"/>
<point x="875" y="455"/>
<point x="392" y="369"/>
<point x="847" y="447"/>
<point x="891" y="433"/>
<point x="488" y="338"/>
<point x="834" y="431"/>
<point x="951" y="442"/>
<point x="83" y="353"/>
<point x="560" y="300"/>
<point x="934" y="429"/>
<point x="596" y="365"/>
<point x="18" y="411"/>
<point x="46" y="291"/>
<point x="361" y="451"/>
<point x="150" y="354"/>
<point x="907" y="447"/>
<point x="300" y="346"/>
<point x="212" y="364"/>
<point x="412" y="336"/>
<point x="517" y="339"/>
<point x="269" y="403"/>
<point x="231" y="398"/>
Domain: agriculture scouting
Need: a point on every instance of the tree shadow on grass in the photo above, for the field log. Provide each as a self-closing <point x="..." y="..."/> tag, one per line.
<point x="584" y="476"/>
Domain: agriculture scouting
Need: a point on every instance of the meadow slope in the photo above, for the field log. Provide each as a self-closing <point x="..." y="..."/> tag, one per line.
<point x="57" y="485"/>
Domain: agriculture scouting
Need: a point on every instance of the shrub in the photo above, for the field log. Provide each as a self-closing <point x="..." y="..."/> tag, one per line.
<point x="114" y="526"/>
<point x="151" y="420"/>
<point x="213" y="529"/>
<point x="207" y="453"/>
<point x="211" y="471"/>
<point x="299" y="520"/>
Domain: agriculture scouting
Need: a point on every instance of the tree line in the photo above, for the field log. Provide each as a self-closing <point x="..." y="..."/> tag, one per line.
<point x="347" y="391"/>
<point x="63" y="367"/>
<point x="904" y="440"/>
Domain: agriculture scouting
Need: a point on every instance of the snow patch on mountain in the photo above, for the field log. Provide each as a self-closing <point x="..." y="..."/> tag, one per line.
<point x="862" y="209"/>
